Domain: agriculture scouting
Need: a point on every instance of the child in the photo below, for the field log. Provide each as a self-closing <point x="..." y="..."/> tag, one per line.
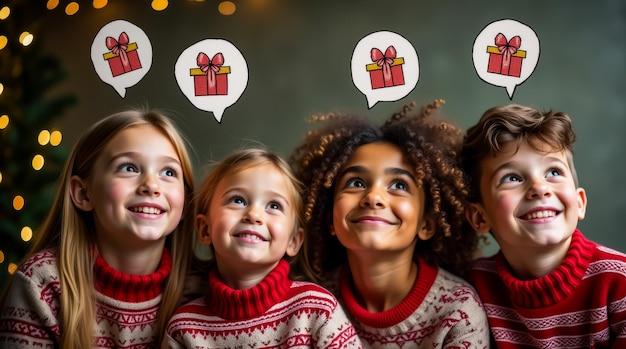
<point x="548" y="286"/>
<point x="384" y="214"/>
<point x="249" y="209"/>
<point x="107" y="268"/>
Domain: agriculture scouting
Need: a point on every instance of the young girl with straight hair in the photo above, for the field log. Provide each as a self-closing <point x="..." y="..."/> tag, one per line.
<point x="108" y="265"/>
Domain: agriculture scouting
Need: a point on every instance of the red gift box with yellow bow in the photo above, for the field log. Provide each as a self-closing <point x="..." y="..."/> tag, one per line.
<point x="506" y="58"/>
<point x="211" y="76"/>
<point x="123" y="57"/>
<point x="386" y="71"/>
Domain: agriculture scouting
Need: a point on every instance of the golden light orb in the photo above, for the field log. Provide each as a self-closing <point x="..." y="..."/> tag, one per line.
<point x="52" y="4"/>
<point x="38" y="162"/>
<point x="159" y="5"/>
<point x="72" y="8"/>
<point x="12" y="268"/>
<point x="1" y="88"/>
<point x="44" y="137"/>
<point x="18" y="202"/>
<point x="5" y="12"/>
<point x="3" y="41"/>
<point x="98" y="4"/>
<point x="55" y="138"/>
<point x="227" y="8"/>
<point x="26" y="234"/>
<point x="0" y="177"/>
<point x="1" y="257"/>
<point x="4" y="121"/>
<point x="26" y="38"/>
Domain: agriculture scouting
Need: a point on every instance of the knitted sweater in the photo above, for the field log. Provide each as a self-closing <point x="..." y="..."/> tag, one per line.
<point x="441" y="311"/>
<point x="581" y="304"/>
<point x="276" y="313"/>
<point x="126" y="305"/>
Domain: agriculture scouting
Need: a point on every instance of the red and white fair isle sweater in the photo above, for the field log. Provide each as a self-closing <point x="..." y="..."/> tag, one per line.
<point x="276" y="313"/>
<point x="581" y="304"/>
<point x="441" y="311"/>
<point x="126" y="305"/>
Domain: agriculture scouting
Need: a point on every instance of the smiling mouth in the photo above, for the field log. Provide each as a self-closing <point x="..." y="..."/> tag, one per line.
<point x="249" y="236"/>
<point x="147" y="210"/>
<point x="539" y="214"/>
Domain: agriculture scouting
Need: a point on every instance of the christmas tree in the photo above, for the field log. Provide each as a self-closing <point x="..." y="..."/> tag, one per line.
<point x="31" y="150"/>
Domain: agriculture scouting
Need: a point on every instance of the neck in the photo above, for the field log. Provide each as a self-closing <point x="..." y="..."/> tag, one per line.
<point x="528" y="264"/>
<point x="382" y="283"/>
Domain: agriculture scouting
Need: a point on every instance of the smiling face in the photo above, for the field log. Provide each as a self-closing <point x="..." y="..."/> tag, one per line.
<point x="251" y="221"/>
<point x="135" y="190"/>
<point x="377" y="204"/>
<point x="529" y="198"/>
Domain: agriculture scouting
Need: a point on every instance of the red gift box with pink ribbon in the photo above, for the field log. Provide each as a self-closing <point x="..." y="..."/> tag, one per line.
<point x="386" y="71"/>
<point x="506" y="58"/>
<point x="123" y="57"/>
<point x="211" y="76"/>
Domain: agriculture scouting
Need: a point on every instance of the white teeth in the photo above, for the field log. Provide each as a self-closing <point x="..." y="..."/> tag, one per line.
<point x="250" y="236"/>
<point x="540" y="214"/>
<point x="148" y="210"/>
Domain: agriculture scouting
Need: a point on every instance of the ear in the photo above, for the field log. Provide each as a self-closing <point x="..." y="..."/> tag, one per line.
<point x="295" y="242"/>
<point x="202" y="229"/>
<point x="427" y="230"/>
<point x="475" y="215"/>
<point x="582" y="203"/>
<point x="78" y="193"/>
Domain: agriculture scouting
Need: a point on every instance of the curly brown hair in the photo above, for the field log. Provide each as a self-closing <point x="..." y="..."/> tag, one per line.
<point x="429" y="144"/>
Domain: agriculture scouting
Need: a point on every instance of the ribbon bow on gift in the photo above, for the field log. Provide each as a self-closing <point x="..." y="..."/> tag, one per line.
<point x="211" y="67"/>
<point x="507" y="48"/>
<point x="384" y="61"/>
<point x="119" y="48"/>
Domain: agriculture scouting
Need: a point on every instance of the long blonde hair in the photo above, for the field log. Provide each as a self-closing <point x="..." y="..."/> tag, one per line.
<point x="71" y="232"/>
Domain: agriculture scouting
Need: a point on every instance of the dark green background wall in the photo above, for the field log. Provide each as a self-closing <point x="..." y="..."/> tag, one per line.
<point x="298" y="55"/>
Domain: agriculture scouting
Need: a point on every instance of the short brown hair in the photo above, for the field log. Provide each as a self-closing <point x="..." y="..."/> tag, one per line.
<point x="514" y="123"/>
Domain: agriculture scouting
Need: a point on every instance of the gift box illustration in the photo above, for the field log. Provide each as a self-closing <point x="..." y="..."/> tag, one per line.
<point x="506" y="58"/>
<point x="211" y="76"/>
<point x="123" y="57"/>
<point x="386" y="71"/>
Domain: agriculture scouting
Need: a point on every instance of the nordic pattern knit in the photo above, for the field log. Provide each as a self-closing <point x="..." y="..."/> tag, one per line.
<point x="276" y="313"/>
<point x="441" y="311"/>
<point x="581" y="304"/>
<point x="126" y="305"/>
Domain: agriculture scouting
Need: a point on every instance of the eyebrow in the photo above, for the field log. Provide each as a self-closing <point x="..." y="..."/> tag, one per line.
<point x="388" y="171"/>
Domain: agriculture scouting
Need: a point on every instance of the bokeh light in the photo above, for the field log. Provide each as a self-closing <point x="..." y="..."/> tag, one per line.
<point x="12" y="268"/>
<point x="26" y="234"/>
<point x="0" y="177"/>
<point x="26" y="38"/>
<point x="1" y="88"/>
<point x="55" y="138"/>
<point x="98" y="4"/>
<point x="44" y="137"/>
<point x="3" y="41"/>
<point x="52" y="4"/>
<point x="159" y="5"/>
<point x="71" y="8"/>
<point x="4" y="121"/>
<point x="18" y="202"/>
<point x="227" y="8"/>
<point x="5" y="12"/>
<point x="1" y="257"/>
<point x="38" y="162"/>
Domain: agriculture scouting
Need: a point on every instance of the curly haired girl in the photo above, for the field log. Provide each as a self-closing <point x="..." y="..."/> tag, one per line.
<point x="386" y="228"/>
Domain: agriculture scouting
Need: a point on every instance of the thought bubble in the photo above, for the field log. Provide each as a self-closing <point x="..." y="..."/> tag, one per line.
<point x="506" y="53"/>
<point x="384" y="67"/>
<point x="121" y="54"/>
<point x="212" y="74"/>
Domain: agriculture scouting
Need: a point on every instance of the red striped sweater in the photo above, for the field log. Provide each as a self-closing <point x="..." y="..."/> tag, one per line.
<point x="276" y="313"/>
<point x="581" y="304"/>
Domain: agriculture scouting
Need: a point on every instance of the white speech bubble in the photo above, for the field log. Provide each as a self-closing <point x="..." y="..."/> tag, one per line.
<point x="503" y="50"/>
<point x="383" y="75"/>
<point x="121" y="54"/>
<point x="215" y="82"/>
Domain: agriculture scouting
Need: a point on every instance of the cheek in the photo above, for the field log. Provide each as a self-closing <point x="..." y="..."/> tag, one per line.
<point x="176" y="198"/>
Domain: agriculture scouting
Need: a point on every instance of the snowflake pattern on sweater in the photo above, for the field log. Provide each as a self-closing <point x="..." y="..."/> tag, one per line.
<point x="581" y="304"/>
<point x="126" y="305"/>
<point x="276" y="313"/>
<point x="441" y="311"/>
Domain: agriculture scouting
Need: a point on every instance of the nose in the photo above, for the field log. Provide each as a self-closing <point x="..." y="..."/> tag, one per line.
<point x="538" y="189"/>
<point x="374" y="198"/>
<point x="150" y="185"/>
<point x="252" y="215"/>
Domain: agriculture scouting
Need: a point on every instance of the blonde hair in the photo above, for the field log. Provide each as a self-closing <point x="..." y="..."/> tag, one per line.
<point x="244" y="159"/>
<point x="71" y="232"/>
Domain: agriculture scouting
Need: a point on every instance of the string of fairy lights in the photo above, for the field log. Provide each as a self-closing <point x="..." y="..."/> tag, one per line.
<point x="53" y="138"/>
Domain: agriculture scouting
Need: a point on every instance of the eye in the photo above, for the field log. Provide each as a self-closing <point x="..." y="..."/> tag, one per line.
<point x="128" y="167"/>
<point x="169" y="172"/>
<point x="238" y="200"/>
<point x="399" y="184"/>
<point x="275" y="206"/>
<point x="553" y="172"/>
<point x="511" y="177"/>
<point x="355" y="183"/>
